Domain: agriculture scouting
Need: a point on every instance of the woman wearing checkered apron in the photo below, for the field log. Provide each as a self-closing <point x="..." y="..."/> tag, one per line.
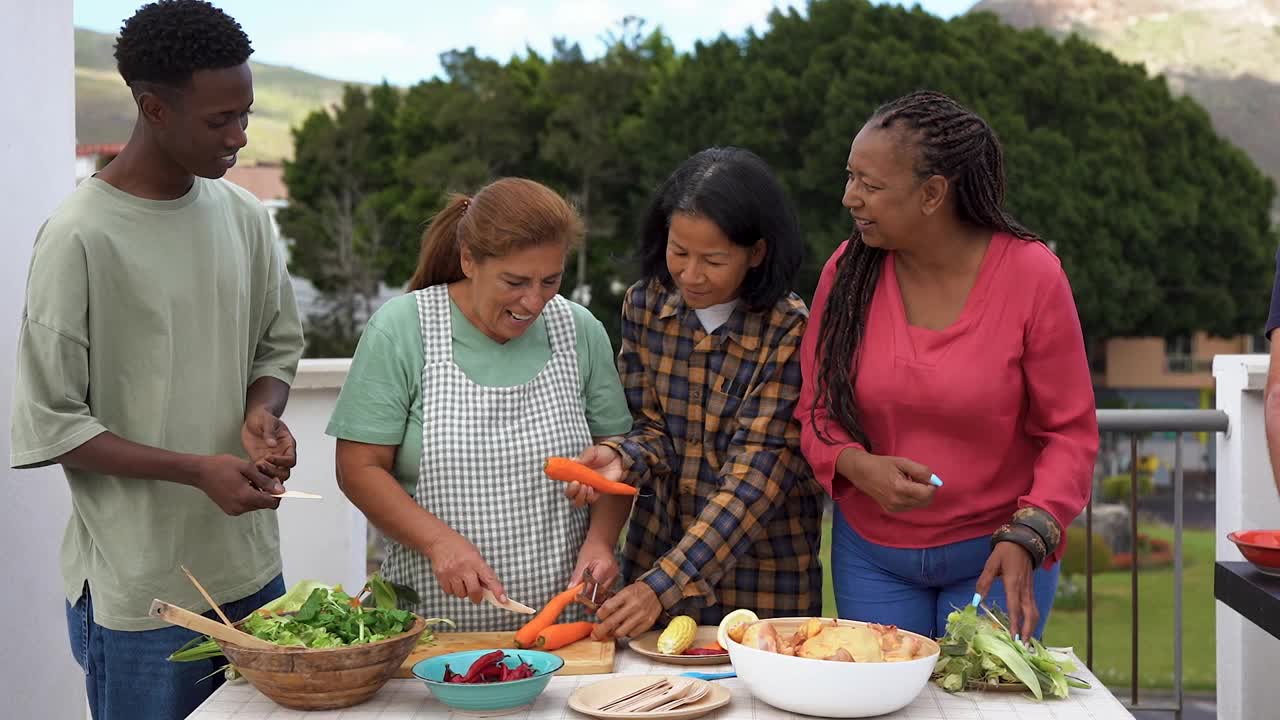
<point x="457" y="394"/>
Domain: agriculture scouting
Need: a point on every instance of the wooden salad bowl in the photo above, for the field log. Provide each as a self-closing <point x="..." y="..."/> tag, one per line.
<point x="324" y="678"/>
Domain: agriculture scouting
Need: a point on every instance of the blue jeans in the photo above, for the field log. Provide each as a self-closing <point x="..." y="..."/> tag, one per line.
<point x="916" y="589"/>
<point x="128" y="675"/>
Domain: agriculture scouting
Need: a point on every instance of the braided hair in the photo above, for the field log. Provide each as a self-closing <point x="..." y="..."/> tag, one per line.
<point x="954" y="142"/>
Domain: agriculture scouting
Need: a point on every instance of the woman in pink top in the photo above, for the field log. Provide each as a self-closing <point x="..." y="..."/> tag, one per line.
<point x="947" y="405"/>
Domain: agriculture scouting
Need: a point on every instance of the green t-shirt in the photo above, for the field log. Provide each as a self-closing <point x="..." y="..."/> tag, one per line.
<point x="381" y="400"/>
<point x="150" y="319"/>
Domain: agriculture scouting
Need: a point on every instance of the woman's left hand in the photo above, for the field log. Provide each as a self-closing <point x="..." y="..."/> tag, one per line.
<point x="600" y="559"/>
<point x="1012" y="564"/>
<point x="631" y="612"/>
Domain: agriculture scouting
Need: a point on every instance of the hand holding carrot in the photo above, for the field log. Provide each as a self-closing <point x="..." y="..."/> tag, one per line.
<point x="597" y="470"/>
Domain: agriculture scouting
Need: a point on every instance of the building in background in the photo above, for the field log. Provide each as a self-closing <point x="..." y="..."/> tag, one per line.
<point x="1165" y="373"/>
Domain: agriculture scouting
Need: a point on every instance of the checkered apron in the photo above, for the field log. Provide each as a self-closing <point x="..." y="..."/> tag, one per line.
<point x="481" y="471"/>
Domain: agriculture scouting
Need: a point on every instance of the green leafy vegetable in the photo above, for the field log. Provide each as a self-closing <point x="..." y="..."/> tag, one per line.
<point x="384" y="593"/>
<point x="292" y="601"/>
<point x="979" y="651"/>
<point x="325" y="617"/>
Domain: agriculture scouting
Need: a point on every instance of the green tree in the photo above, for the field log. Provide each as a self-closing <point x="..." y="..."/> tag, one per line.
<point x="1162" y="226"/>
<point x="341" y="217"/>
<point x="591" y="102"/>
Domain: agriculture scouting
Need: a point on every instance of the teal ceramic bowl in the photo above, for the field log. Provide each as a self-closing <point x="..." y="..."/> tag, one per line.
<point x="487" y="697"/>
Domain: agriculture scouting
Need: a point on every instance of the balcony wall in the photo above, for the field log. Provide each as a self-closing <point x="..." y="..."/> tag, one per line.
<point x="38" y="678"/>
<point x="324" y="539"/>
<point x="1246" y="499"/>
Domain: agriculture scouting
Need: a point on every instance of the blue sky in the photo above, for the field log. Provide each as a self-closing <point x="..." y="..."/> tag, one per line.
<point x="401" y="40"/>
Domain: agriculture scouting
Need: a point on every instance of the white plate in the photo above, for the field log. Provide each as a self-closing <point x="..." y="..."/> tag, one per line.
<point x="647" y="645"/>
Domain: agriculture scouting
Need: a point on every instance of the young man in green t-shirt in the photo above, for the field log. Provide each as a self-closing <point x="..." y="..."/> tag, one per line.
<point x="158" y="342"/>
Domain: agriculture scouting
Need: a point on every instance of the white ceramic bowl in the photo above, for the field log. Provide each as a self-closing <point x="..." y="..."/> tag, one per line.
<point x="826" y="688"/>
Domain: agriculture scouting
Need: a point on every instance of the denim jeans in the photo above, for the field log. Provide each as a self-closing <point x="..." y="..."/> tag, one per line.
<point x="916" y="589"/>
<point x="128" y="675"/>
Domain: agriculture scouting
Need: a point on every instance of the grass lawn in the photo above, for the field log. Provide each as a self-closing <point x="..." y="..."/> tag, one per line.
<point x="1111" y="618"/>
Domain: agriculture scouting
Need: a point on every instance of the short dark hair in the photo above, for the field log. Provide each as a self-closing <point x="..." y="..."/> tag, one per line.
<point x="165" y="42"/>
<point x="737" y="191"/>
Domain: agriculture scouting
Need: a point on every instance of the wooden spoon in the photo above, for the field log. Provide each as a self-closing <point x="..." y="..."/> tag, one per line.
<point x="207" y="598"/>
<point x="182" y="617"/>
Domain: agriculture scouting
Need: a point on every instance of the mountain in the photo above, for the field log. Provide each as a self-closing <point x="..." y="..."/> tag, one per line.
<point x="283" y="97"/>
<point x="1223" y="53"/>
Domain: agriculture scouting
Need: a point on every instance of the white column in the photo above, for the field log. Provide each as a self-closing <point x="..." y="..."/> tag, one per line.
<point x="38" y="677"/>
<point x="320" y="539"/>
<point x="1246" y="500"/>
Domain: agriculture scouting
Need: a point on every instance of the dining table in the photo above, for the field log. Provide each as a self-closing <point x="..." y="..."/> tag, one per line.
<point x="410" y="700"/>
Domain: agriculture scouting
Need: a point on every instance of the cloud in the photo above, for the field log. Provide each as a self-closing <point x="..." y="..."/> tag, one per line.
<point x="362" y="55"/>
<point x="755" y="13"/>
<point x="509" y="17"/>
<point x="345" y="43"/>
<point x="584" y="18"/>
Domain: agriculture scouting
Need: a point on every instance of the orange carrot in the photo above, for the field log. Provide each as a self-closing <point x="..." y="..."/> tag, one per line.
<point x="569" y="470"/>
<point x="555" y="637"/>
<point x="528" y="635"/>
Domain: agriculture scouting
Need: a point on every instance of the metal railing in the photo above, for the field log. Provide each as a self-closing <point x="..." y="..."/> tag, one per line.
<point x="1136" y="423"/>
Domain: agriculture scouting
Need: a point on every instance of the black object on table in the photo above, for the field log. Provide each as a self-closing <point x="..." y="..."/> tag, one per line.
<point x="1251" y="593"/>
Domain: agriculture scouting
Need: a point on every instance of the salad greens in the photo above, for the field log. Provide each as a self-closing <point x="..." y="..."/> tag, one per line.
<point x="315" y="615"/>
<point x="979" y="650"/>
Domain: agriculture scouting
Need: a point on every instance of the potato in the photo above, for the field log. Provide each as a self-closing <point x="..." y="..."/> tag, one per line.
<point x="762" y="636"/>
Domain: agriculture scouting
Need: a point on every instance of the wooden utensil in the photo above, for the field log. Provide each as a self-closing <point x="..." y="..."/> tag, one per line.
<point x="638" y="692"/>
<point x="207" y="598"/>
<point x="182" y="617"/>
<point x="299" y="495"/>
<point x="589" y="699"/>
<point x="510" y="604"/>
<point x="658" y="699"/>
<point x="689" y="694"/>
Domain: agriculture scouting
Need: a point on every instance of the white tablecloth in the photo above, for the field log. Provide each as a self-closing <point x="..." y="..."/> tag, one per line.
<point x="410" y="700"/>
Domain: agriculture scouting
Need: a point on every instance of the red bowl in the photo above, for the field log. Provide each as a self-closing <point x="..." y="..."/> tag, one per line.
<point x="1260" y="547"/>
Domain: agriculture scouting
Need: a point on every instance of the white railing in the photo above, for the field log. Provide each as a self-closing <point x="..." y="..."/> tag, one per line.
<point x="1246" y="499"/>
<point x="327" y="539"/>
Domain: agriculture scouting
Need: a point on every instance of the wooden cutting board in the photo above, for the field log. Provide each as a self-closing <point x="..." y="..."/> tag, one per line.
<point x="585" y="657"/>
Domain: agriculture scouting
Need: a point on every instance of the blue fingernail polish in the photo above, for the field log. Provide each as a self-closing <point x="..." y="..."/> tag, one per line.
<point x="935" y="481"/>
<point x="977" y="599"/>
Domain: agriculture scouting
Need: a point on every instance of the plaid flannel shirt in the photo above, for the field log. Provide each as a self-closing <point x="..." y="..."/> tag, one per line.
<point x="728" y="514"/>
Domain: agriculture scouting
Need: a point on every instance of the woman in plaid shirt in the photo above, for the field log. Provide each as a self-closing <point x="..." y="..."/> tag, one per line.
<point x="728" y="513"/>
